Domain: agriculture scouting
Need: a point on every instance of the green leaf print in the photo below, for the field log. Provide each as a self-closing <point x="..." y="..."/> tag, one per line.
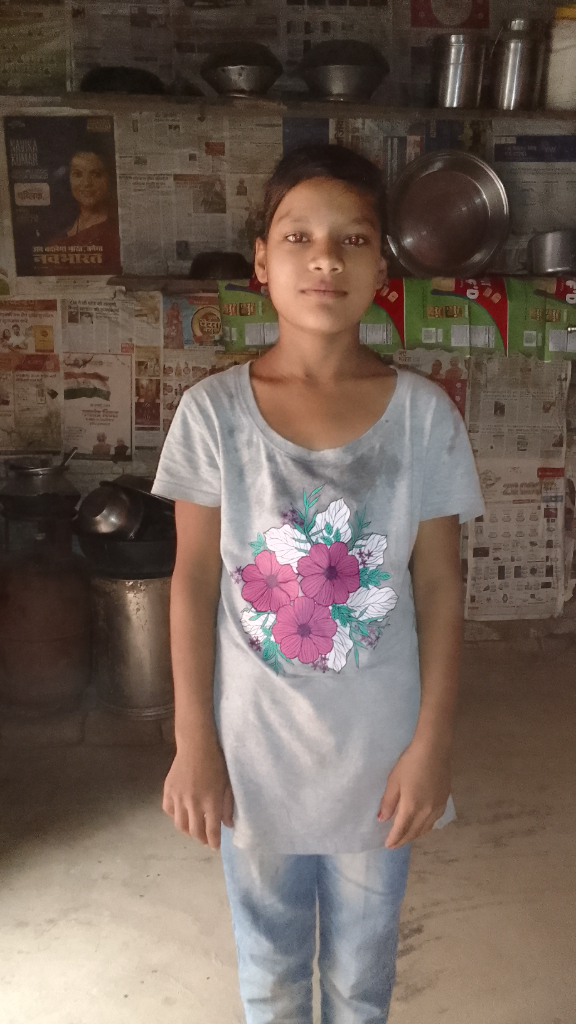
<point x="258" y="545"/>
<point x="372" y="577"/>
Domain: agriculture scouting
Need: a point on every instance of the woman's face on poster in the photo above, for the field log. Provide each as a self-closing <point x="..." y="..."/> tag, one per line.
<point x="88" y="180"/>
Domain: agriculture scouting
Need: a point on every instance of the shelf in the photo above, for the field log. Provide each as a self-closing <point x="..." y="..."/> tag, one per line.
<point x="293" y="106"/>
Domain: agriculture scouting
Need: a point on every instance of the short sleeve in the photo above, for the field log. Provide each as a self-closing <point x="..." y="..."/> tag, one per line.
<point x="189" y="466"/>
<point x="450" y="485"/>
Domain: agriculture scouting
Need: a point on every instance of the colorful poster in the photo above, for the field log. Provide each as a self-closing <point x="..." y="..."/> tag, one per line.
<point x="29" y="325"/>
<point x="98" y="404"/>
<point x="62" y="180"/>
<point x="30" y="402"/>
<point x="147" y="403"/>
<point x="450" y="13"/>
<point x="191" y="320"/>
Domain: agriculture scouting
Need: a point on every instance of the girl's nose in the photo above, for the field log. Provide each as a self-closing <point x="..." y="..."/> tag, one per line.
<point x="326" y="258"/>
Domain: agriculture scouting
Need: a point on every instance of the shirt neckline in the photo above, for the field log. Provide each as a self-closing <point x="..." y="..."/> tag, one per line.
<point x="350" y="448"/>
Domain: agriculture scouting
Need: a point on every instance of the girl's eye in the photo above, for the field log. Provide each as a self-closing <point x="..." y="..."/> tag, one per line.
<point x="355" y="240"/>
<point x="296" y="236"/>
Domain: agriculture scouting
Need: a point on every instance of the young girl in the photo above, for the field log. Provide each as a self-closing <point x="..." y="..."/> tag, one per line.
<point x="316" y="610"/>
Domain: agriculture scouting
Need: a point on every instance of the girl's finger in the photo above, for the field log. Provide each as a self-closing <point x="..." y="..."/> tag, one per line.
<point x="213" y="828"/>
<point x="228" y="807"/>
<point x="180" y="817"/>
<point x="400" y="828"/>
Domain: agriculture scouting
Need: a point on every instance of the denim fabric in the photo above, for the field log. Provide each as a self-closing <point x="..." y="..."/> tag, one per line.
<point x="273" y="899"/>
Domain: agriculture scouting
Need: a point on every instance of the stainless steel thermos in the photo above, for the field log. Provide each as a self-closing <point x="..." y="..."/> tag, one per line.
<point x="517" y="64"/>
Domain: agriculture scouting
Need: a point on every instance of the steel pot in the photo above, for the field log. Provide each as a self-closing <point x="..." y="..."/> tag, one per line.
<point x="553" y="252"/>
<point x="36" y="489"/>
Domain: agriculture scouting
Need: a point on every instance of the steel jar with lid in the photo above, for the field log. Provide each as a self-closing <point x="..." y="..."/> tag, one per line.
<point x="457" y="69"/>
<point x="517" y="64"/>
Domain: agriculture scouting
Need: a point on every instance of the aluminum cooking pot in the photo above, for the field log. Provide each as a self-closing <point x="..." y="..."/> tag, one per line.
<point x="112" y="511"/>
<point x="447" y="214"/>
<point x="553" y="252"/>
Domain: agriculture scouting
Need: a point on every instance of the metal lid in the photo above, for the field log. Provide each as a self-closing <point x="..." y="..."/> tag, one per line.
<point x="519" y="24"/>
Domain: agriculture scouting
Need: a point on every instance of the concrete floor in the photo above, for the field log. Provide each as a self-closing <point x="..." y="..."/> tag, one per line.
<point x="108" y="914"/>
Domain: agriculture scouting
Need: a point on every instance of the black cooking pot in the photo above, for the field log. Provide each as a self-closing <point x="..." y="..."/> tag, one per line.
<point x="128" y="559"/>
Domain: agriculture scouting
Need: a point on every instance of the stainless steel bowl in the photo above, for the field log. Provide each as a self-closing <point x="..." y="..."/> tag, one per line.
<point x="552" y="252"/>
<point x="343" y="81"/>
<point x="241" y="79"/>
<point x="447" y="214"/>
<point x="110" y="510"/>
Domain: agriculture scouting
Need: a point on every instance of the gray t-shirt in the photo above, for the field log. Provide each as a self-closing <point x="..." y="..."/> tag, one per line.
<point x="317" y="687"/>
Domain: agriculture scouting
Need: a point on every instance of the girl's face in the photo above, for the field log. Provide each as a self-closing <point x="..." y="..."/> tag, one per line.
<point x="88" y="180"/>
<point x="322" y="261"/>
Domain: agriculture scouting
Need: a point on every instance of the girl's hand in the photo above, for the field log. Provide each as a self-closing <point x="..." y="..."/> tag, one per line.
<point x="198" y="795"/>
<point x="417" y="791"/>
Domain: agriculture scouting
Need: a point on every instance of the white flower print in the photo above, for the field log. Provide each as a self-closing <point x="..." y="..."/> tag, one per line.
<point x="336" y="518"/>
<point x="252" y="623"/>
<point x="370" y="550"/>
<point x="336" y="659"/>
<point x="372" y="602"/>
<point x="287" y="544"/>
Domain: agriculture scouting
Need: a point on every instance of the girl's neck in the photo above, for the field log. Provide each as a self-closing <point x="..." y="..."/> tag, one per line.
<point x="316" y="356"/>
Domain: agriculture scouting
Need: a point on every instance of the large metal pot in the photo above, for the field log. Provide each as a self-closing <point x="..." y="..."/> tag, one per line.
<point x="448" y="214"/>
<point x="132" y="665"/>
<point x="36" y="489"/>
<point x="248" y="69"/>
<point x="129" y="559"/>
<point x="343" y="69"/>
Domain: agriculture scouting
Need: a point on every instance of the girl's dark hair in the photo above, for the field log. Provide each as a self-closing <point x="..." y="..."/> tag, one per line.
<point x="320" y="160"/>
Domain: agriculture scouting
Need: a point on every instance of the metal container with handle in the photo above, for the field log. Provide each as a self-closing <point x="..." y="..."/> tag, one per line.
<point x="553" y="252"/>
<point x="457" y="69"/>
<point x="517" y="64"/>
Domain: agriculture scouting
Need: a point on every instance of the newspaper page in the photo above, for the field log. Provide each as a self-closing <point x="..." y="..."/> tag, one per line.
<point x="62" y="182"/>
<point x="98" y="404"/>
<point x="33" y="47"/>
<point x="122" y="35"/>
<point x="539" y="174"/>
<point x="30" y="380"/>
<point x="516" y="422"/>
<point x="188" y="184"/>
<point x="181" y="370"/>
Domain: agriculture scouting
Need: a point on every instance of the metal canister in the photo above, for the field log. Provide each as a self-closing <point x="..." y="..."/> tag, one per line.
<point x="457" y="69"/>
<point x="131" y="646"/>
<point x="517" y="64"/>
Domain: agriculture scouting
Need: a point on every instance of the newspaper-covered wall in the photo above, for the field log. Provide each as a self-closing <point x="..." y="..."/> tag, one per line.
<point x="517" y="427"/>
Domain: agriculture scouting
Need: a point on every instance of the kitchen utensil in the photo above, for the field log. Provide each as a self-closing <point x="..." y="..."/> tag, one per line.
<point x="447" y="214"/>
<point x="343" y="70"/>
<point x="128" y="559"/>
<point x="36" y="489"/>
<point x="248" y="69"/>
<point x="141" y="485"/>
<point x="553" y="252"/>
<point x="135" y="81"/>
<point x="110" y="510"/>
<point x="67" y="456"/>
<point x="561" y="69"/>
<point x="219" y="266"/>
<point x="457" y="69"/>
<point x="517" y="64"/>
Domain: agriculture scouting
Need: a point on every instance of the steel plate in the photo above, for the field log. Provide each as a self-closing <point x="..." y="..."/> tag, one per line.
<point x="447" y="214"/>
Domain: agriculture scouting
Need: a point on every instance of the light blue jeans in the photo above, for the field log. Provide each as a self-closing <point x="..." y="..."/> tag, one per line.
<point x="273" y="900"/>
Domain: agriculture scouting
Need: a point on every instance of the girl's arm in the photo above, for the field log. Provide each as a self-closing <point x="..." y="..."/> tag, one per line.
<point x="419" y="784"/>
<point x="197" y="792"/>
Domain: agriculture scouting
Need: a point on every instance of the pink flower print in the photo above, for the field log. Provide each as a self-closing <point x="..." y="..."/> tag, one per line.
<point x="329" y="574"/>
<point x="304" y="630"/>
<point x="267" y="584"/>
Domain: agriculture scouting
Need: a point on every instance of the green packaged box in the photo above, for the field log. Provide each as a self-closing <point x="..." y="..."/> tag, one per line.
<point x="248" y="317"/>
<point x="435" y="316"/>
<point x="526" y="316"/>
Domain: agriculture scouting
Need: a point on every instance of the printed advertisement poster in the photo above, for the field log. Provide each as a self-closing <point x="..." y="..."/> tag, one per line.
<point x="62" y="181"/>
<point x="191" y="320"/>
<point x="147" y="402"/>
<point x="181" y="370"/>
<point x="98" y="404"/>
<point x="30" y="402"/>
<point x="29" y="325"/>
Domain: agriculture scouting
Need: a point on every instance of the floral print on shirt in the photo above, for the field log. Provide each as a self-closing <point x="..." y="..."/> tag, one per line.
<point x="314" y="589"/>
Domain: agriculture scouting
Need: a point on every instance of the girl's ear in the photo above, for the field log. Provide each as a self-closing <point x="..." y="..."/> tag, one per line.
<point x="260" y="261"/>
<point x="382" y="273"/>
